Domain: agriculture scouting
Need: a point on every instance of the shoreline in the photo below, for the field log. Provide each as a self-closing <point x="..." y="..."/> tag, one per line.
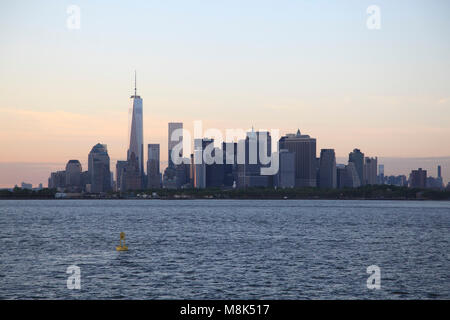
<point x="369" y="192"/>
<point x="237" y="199"/>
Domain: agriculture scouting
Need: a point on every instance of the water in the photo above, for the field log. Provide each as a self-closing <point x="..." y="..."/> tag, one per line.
<point x="225" y="249"/>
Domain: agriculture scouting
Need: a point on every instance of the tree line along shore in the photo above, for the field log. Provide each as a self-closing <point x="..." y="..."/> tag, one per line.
<point x="369" y="192"/>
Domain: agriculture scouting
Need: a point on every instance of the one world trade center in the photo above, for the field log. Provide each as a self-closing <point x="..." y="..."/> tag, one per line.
<point x="136" y="149"/>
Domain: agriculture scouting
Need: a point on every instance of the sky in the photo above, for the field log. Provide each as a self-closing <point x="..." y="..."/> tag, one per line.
<point x="311" y="64"/>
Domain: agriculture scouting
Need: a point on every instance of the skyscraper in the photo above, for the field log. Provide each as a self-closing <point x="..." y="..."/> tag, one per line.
<point x="357" y="157"/>
<point x="98" y="168"/>
<point x="304" y="148"/>
<point x="327" y="169"/>
<point x="182" y="174"/>
<point x="439" y="180"/>
<point x="120" y="165"/>
<point x="285" y="178"/>
<point x="172" y="127"/>
<point x="435" y="183"/>
<point x="229" y="150"/>
<point x="136" y="130"/>
<point x="257" y="144"/>
<point x="131" y="175"/>
<point x="418" y="178"/>
<point x="73" y="175"/>
<point x="370" y="171"/>
<point x="351" y="178"/>
<point x="341" y="173"/>
<point x="57" y="180"/>
<point x="215" y="172"/>
<point x="381" y="179"/>
<point x="199" y="169"/>
<point x="173" y="178"/>
<point x="153" y="172"/>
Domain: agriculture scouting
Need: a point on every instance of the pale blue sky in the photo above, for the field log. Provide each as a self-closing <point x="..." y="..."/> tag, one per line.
<point x="284" y="48"/>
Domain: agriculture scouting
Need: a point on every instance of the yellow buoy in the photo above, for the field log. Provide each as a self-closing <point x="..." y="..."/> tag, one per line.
<point x="122" y="246"/>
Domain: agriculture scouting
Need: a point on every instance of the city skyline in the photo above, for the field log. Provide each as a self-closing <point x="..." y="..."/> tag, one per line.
<point x="431" y="168"/>
<point x="135" y="118"/>
<point x="241" y="163"/>
<point x="385" y="91"/>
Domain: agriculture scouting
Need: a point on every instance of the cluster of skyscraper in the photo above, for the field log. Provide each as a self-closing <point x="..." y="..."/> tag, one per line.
<point x="298" y="164"/>
<point x="96" y="179"/>
<point x="418" y="179"/>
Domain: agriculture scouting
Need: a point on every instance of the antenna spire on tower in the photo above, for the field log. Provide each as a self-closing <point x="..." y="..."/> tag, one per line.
<point x="135" y="89"/>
